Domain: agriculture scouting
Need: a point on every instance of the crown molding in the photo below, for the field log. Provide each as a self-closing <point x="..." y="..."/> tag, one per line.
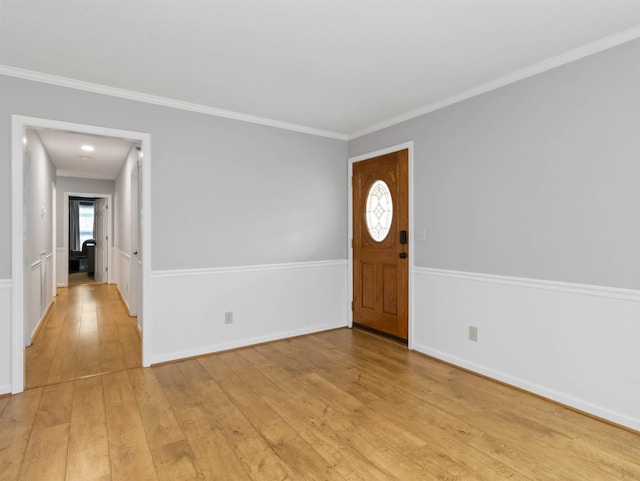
<point x="162" y="101"/>
<point x="553" y="62"/>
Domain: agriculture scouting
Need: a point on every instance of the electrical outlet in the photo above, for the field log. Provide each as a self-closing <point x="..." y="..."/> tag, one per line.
<point x="473" y="333"/>
<point x="228" y="317"/>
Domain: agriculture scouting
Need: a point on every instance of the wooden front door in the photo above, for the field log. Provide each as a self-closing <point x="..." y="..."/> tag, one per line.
<point x="380" y="244"/>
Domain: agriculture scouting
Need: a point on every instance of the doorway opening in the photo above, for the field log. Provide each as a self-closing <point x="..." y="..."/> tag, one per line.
<point x="20" y="273"/>
<point x="89" y="229"/>
<point x="381" y="243"/>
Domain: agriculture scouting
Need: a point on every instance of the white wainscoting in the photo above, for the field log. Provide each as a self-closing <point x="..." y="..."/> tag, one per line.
<point x="62" y="267"/>
<point x="124" y="275"/>
<point x="268" y="302"/>
<point x="573" y="343"/>
<point x="114" y="267"/>
<point x="40" y="295"/>
<point x="5" y="336"/>
<point x="49" y="279"/>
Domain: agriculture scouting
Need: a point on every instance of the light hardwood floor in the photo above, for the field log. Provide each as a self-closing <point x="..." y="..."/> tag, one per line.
<point x="87" y="332"/>
<point x="80" y="278"/>
<point x="339" y="405"/>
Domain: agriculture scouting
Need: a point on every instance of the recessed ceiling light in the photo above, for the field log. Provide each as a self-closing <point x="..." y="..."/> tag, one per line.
<point x="88" y="148"/>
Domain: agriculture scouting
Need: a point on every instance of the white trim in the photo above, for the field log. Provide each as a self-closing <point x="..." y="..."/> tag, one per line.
<point x="532" y="387"/>
<point x="44" y="314"/>
<point x="553" y="62"/>
<point x="17" y="252"/>
<point x="535" y="69"/>
<point x="237" y="269"/>
<point x="565" y="287"/>
<point x="163" y="101"/>
<point x="269" y="301"/>
<point x="65" y="228"/>
<point x="225" y="346"/>
<point x="6" y="283"/>
<point x="395" y="148"/>
<point x="124" y="301"/>
<point x="5" y="388"/>
<point x="18" y="125"/>
<point x="54" y="235"/>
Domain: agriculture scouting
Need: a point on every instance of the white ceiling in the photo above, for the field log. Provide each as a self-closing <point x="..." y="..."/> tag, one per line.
<point x="337" y="65"/>
<point x="65" y="151"/>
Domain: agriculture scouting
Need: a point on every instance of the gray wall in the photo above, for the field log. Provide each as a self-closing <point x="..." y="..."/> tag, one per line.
<point x="77" y="186"/>
<point x="122" y="210"/>
<point x="223" y="192"/>
<point x="41" y="176"/>
<point x="539" y="179"/>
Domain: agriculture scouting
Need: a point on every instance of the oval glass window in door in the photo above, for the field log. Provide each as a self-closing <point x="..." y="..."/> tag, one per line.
<point x="379" y="211"/>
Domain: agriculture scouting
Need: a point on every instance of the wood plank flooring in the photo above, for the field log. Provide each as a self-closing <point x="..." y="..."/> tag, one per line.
<point x="80" y="278"/>
<point x="341" y="405"/>
<point x="87" y="332"/>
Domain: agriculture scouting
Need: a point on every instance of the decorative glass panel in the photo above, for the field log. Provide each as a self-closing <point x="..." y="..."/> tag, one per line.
<point x="379" y="210"/>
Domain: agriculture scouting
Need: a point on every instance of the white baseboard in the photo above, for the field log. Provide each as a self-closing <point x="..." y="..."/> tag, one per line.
<point x="268" y="303"/>
<point x="5" y="389"/>
<point x="244" y="342"/>
<point x="124" y="299"/>
<point x="543" y="391"/>
<point x="37" y="327"/>
<point x="573" y="343"/>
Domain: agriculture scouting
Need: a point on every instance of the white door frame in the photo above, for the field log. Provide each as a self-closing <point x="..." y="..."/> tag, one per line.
<point x="54" y="239"/>
<point x="134" y="281"/>
<point x="65" y="219"/>
<point x="358" y="158"/>
<point x="18" y="125"/>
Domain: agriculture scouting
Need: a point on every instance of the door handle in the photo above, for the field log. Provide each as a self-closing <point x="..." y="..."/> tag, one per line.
<point x="403" y="255"/>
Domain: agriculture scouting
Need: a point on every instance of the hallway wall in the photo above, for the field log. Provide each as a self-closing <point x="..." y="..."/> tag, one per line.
<point x="39" y="176"/>
<point x="122" y="234"/>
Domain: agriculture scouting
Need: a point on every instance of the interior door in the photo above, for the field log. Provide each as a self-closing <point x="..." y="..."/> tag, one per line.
<point x="380" y="244"/>
<point x="100" y="213"/>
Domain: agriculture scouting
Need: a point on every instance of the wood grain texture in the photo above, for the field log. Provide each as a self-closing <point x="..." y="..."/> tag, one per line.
<point x="87" y="332"/>
<point x="338" y="405"/>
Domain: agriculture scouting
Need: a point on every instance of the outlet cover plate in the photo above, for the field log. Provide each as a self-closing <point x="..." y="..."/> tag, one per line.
<point x="473" y="333"/>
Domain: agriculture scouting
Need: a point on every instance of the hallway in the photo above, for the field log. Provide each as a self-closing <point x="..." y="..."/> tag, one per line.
<point x="87" y="332"/>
